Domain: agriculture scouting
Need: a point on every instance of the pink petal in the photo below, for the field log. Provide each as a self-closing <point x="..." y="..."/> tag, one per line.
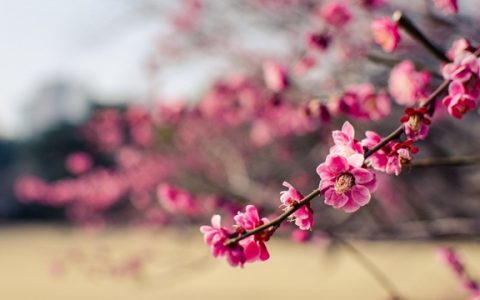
<point x="334" y="199"/>
<point x="360" y="194"/>
<point x="362" y="175"/>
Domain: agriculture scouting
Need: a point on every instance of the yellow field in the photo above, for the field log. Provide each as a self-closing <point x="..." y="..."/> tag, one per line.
<point x="57" y="263"/>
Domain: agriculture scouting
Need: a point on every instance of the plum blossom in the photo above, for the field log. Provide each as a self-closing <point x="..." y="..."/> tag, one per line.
<point x="319" y="41"/>
<point x="78" y="163"/>
<point x="346" y="145"/>
<point x="345" y="186"/>
<point x="361" y="102"/>
<point x="459" y="46"/>
<point x="386" y="34"/>
<point x="215" y="236"/>
<point x="416" y="123"/>
<point x="449" y="7"/>
<point x="336" y="14"/>
<point x="399" y="156"/>
<point x="464" y="66"/>
<point x="406" y="85"/>
<point x="275" y="76"/>
<point x="459" y="101"/>
<point x="303" y="217"/>
<point x="254" y="246"/>
<point x="379" y="159"/>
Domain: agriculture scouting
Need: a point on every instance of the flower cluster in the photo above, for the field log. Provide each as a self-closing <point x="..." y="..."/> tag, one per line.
<point x="391" y="158"/>
<point x="303" y="217"/>
<point x="250" y="249"/>
<point x="464" y="89"/>
<point x="344" y="181"/>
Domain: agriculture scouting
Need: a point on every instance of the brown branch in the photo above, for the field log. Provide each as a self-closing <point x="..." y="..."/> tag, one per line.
<point x="454" y="161"/>
<point x="277" y="221"/>
<point x="407" y="25"/>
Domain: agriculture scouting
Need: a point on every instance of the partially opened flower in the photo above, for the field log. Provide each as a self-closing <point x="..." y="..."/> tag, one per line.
<point x="215" y="236"/>
<point x="346" y="145"/>
<point x="458" y="101"/>
<point x="416" y="123"/>
<point x="386" y="34"/>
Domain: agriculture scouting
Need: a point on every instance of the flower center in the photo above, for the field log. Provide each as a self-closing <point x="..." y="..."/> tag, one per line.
<point x="344" y="183"/>
<point x="414" y="122"/>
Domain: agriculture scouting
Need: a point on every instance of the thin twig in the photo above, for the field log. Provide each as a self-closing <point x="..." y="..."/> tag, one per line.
<point x="277" y="221"/>
<point x="372" y="269"/>
<point x="454" y="161"/>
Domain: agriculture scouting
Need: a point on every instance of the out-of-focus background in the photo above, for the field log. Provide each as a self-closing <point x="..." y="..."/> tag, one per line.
<point x="126" y="124"/>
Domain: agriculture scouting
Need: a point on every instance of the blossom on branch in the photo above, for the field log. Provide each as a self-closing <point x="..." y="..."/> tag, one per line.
<point x="344" y="185"/>
<point x="303" y="217"/>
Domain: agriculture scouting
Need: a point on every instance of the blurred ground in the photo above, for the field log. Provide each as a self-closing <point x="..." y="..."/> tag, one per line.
<point x="39" y="262"/>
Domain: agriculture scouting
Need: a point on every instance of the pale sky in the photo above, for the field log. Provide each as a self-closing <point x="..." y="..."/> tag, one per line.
<point x="102" y="44"/>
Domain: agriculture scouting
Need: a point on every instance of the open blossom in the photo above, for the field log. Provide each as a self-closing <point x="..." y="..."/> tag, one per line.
<point x="416" y="123"/>
<point x="304" y="215"/>
<point x="344" y="185"/>
<point x="449" y="7"/>
<point x="275" y="76"/>
<point x="386" y="34"/>
<point x="215" y="237"/>
<point x="464" y="66"/>
<point x="336" y="14"/>
<point x="459" y="101"/>
<point x="346" y="145"/>
<point x="406" y="85"/>
<point x="254" y="246"/>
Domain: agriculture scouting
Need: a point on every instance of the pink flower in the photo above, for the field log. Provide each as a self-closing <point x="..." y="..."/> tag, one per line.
<point x="449" y="7"/>
<point x="254" y="246"/>
<point x="347" y="146"/>
<point x="416" y="123"/>
<point x="458" y="101"/>
<point x="386" y="34"/>
<point x="304" y="215"/>
<point x="275" y="76"/>
<point x="463" y="67"/>
<point x="360" y="101"/>
<point x="78" y="163"/>
<point x="379" y="159"/>
<point x="176" y="200"/>
<point x="459" y="46"/>
<point x="406" y="85"/>
<point x="335" y="14"/>
<point x="215" y="237"/>
<point x="318" y="41"/>
<point x="399" y="156"/>
<point x="344" y="185"/>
